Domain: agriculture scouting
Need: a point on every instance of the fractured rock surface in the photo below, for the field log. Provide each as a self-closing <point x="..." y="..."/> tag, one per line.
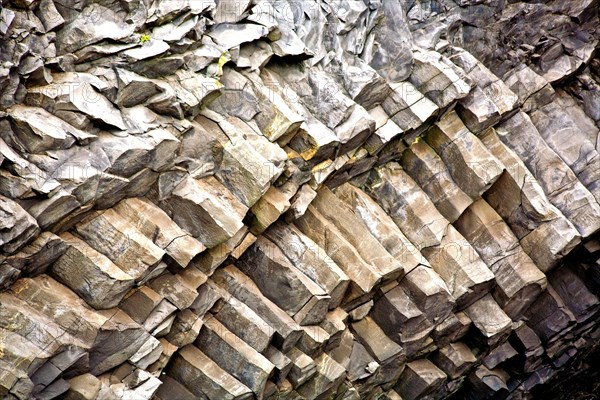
<point x="299" y="200"/>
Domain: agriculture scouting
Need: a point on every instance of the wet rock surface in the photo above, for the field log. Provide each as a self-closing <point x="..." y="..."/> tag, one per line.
<point x="299" y="200"/>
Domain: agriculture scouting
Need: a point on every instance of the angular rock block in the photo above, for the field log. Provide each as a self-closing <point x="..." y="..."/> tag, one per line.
<point x="490" y="100"/>
<point x="471" y="165"/>
<point x="544" y="233"/>
<point x="401" y="320"/>
<point x="282" y="283"/>
<point x="234" y="355"/>
<point x="94" y="329"/>
<point x="549" y="316"/>
<point x="122" y="243"/>
<point x="488" y="383"/>
<point x="34" y="258"/>
<point x="419" y="378"/>
<point x="466" y="276"/>
<point x="35" y="130"/>
<point x="519" y="280"/>
<point x="429" y="293"/>
<point x="422" y="163"/>
<point x="326" y="235"/>
<point x="499" y="355"/>
<point x="303" y="367"/>
<point x="91" y="274"/>
<point x="436" y="79"/>
<point x="139" y="303"/>
<point x="349" y="225"/>
<point x="255" y="205"/>
<point x="18" y="227"/>
<point x="408" y="206"/>
<point x="244" y="323"/>
<point x="170" y="388"/>
<point x="329" y="374"/>
<point x="532" y="90"/>
<point x="310" y="259"/>
<point x="454" y="359"/>
<point x="206" y="209"/>
<point x="268" y="209"/>
<point x="385" y="130"/>
<point x="236" y="283"/>
<point x="406" y="107"/>
<point x="204" y="378"/>
<point x="314" y="339"/>
<point x="450" y="330"/>
<point x="282" y="363"/>
<point x="558" y="181"/>
<point x="156" y="224"/>
<point x="575" y="294"/>
<point x="175" y="289"/>
<point x="85" y="386"/>
<point x="387" y="353"/>
<point x="528" y="344"/>
<point x="489" y="319"/>
<point x="354" y="358"/>
<point x="381" y="226"/>
<point x="185" y="328"/>
<point x="245" y="172"/>
<point x="555" y="123"/>
<point x="209" y="260"/>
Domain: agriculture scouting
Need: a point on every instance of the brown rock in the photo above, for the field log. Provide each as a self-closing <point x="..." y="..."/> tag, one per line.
<point x="122" y="243"/>
<point x="156" y="225"/>
<point x="203" y="377"/>
<point x="489" y="319"/>
<point x="311" y="259"/>
<point x="454" y="359"/>
<point x="234" y="355"/>
<point x="206" y="209"/>
<point x="519" y="280"/>
<point x="91" y="274"/>
<point x="279" y="280"/>
<point x="287" y="331"/>
<point x="419" y="378"/>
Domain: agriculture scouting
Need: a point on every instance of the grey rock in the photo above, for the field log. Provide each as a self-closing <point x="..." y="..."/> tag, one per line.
<point x="287" y="331"/>
<point x="543" y="231"/>
<point x="36" y="130"/>
<point x="206" y="209"/>
<point x="419" y="378"/>
<point x="230" y="35"/>
<point x="390" y="50"/>
<point x="91" y="275"/>
<point x="136" y="255"/>
<point x="311" y="259"/>
<point x="18" y="227"/>
<point x="95" y="23"/>
<point x="566" y="193"/>
<point x="203" y="377"/>
<point x="281" y="282"/>
<point x="500" y="249"/>
<point x="215" y="340"/>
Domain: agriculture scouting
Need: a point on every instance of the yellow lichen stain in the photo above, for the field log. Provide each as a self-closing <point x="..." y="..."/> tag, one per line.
<point x="19" y="286"/>
<point x="322" y="166"/>
<point x="310" y="153"/>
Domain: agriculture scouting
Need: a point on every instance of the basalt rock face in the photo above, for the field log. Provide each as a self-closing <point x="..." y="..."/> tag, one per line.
<point x="299" y="200"/>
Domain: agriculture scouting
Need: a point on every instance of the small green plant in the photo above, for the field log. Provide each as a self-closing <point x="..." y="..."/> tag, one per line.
<point x="144" y="38"/>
